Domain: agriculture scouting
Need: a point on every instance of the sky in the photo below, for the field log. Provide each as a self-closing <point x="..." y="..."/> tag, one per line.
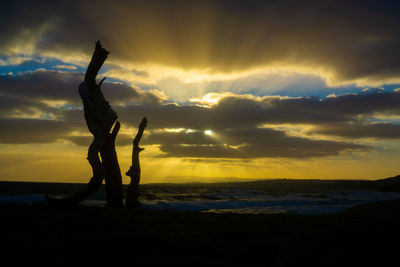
<point x="233" y="90"/>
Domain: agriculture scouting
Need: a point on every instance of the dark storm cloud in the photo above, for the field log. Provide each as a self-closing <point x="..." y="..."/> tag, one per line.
<point x="353" y="39"/>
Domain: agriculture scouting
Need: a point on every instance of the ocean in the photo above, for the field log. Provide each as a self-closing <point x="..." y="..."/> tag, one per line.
<point x="216" y="198"/>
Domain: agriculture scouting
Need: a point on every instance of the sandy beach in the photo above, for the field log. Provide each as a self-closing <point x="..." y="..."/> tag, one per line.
<point x="91" y="235"/>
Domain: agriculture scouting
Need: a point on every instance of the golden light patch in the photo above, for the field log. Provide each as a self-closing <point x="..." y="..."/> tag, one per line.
<point x="208" y="132"/>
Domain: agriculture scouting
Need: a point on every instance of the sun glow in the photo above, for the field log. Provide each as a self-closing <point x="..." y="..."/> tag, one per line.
<point x="208" y="132"/>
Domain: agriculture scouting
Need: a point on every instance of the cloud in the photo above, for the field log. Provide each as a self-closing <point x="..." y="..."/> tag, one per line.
<point x="26" y="131"/>
<point x="236" y="121"/>
<point x="44" y="106"/>
<point x="57" y="85"/>
<point x="122" y="140"/>
<point x="248" y="112"/>
<point x="352" y="41"/>
<point x="43" y="85"/>
<point x="66" y="67"/>
<point x="54" y="95"/>
<point x="248" y="143"/>
<point x="353" y="131"/>
<point x="14" y="106"/>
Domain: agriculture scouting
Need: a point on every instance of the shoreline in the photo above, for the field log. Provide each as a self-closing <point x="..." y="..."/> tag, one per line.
<point x="266" y="197"/>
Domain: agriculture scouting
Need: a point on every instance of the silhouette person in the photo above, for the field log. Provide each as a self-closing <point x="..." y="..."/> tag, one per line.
<point x="134" y="171"/>
<point x="99" y="118"/>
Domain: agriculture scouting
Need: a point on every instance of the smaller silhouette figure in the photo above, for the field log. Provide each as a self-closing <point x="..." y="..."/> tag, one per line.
<point x="134" y="171"/>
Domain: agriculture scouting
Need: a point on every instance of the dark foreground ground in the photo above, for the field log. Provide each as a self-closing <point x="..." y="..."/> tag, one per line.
<point x="367" y="234"/>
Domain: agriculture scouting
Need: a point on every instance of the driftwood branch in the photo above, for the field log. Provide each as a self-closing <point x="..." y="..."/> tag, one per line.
<point x="99" y="118"/>
<point x="134" y="171"/>
<point x="113" y="176"/>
